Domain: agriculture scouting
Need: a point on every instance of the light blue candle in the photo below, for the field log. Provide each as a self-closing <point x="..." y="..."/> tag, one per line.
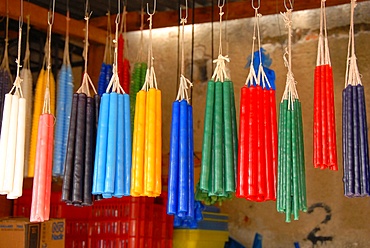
<point x="119" y="179"/>
<point x="101" y="146"/>
<point x="127" y="144"/>
<point x="110" y="166"/>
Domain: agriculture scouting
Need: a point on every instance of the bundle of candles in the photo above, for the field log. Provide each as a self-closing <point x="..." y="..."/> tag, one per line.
<point x="257" y="161"/>
<point x="41" y="189"/>
<point x="123" y="64"/>
<point x="45" y="79"/>
<point x="291" y="190"/>
<point x="63" y="111"/>
<point x="354" y="129"/>
<point x="27" y="85"/>
<point x="80" y="150"/>
<point x="325" y="148"/>
<point x="181" y="162"/>
<point x="147" y="135"/>
<point x="112" y="166"/>
<point x="219" y="153"/>
<point x="13" y="136"/>
<point x="190" y="222"/>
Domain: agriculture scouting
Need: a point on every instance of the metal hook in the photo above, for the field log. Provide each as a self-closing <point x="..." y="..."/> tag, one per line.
<point x="259" y="5"/>
<point x="291" y="2"/>
<point x="51" y="13"/>
<point x="154" y="7"/>
<point x="221" y="5"/>
<point x="186" y="11"/>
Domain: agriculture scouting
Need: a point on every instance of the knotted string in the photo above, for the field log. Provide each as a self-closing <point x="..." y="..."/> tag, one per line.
<point x="17" y="82"/>
<point x="86" y="80"/>
<point x="353" y="76"/>
<point x="184" y="82"/>
<point x="114" y="81"/>
<point x="150" y="78"/>
<point x="290" y="92"/>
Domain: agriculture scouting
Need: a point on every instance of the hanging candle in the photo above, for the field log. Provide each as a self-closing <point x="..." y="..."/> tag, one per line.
<point x="356" y="175"/>
<point x="41" y="189"/>
<point x="106" y="68"/>
<point x="63" y="111"/>
<point x="147" y="136"/>
<point x="5" y="75"/>
<point x="181" y="163"/>
<point x="27" y="85"/>
<point x="217" y="178"/>
<point x="291" y="190"/>
<point x="12" y="137"/>
<point x="43" y="79"/>
<point x="80" y="148"/>
<point x="112" y="166"/>
<point x="257" y="161"/>
<point x="123" y="64"/>
<point x="137" y="82"/>
<point x="325" y="148"/>
<point x="138" y="74"/>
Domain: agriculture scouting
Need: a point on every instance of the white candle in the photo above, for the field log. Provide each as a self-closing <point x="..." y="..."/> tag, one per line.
<point x="4" y="139"/>
<point x="12" y="142"/>
<point x="20" y="150"/>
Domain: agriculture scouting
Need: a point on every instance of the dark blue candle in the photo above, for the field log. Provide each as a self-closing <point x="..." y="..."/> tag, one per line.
<point x="183" y="197"/>
<point x="350" y="160"/>
<point x="190" y="213"/>
<point x="364" y="152"/>
<point x="174" y="160"/>
<point x="356" y="143"/>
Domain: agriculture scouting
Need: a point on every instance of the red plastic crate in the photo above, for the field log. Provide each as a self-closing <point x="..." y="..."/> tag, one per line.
<point x="132" y="222"/>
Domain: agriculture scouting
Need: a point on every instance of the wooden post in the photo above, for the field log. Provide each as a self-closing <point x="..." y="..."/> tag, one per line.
<point x="95" y="60"/>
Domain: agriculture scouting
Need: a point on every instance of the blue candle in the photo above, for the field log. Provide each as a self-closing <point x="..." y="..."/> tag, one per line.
<point x="110" y="167"/>
<point x="190" y="213"/>
<point x="183" y="197"/>
<point x="119" y="175"/>
<point x="101" y="146"/>
<point x="127" y="145"/>
<point x="363" y="142"/>
<point x="174" y="160"/>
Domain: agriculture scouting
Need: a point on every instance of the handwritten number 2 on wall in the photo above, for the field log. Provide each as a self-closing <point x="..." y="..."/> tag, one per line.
<point x="312" y="235"/>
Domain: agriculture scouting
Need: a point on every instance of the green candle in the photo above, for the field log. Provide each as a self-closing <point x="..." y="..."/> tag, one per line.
<point x="218" y="133"/>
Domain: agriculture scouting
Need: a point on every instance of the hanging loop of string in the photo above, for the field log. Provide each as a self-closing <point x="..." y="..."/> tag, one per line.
<point x="46" y="106"/>
<point x="290" y="92"/>
<point x="140" y="54"/>
<point x="150" y="78"/>
<point x="184" y="82"/>
<point x="17" y="82"/>
<point x="353" y="76"/>
<point x="290" y="7"/>
<point x="258" y="6"/>
<point x="86" y="80"/>
<point x="114" y="81"/>
<point x="220" y="73"/>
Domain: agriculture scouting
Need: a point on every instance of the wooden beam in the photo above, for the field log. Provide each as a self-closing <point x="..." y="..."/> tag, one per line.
<point x="39" y="17"/>
<point x="236" y="10"/>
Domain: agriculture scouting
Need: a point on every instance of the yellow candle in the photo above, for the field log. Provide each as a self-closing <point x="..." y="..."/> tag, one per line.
<point x="150" y="141"/>
<point x="37" y="108"/>
<point x="140" y="138"/>
<point x="158" y="146"/>
<point x="134" y="143"/>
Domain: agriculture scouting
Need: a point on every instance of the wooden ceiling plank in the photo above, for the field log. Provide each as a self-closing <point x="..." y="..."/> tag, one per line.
<point x="39" y="18"/>
<point x="236" y="10"/>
